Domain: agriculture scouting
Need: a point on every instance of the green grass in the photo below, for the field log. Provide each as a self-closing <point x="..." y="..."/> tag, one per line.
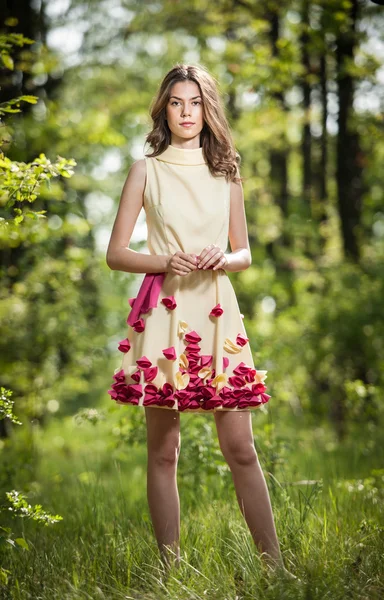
<point x="327" y="500"/>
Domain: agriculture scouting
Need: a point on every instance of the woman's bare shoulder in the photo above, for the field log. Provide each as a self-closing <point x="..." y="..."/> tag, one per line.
<point x="137" y="173"/>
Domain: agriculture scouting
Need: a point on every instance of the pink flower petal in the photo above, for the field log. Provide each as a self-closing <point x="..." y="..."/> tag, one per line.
<point x="143" y="362"/>
<point x="206" y="360"/>
<point x="216" y="311"/>
<point x="136" y="376"/>
<point x="139" y="325"/>
<point x="241" y="340"/>
<point x="150" y="373"/>
<point x="192" y="336"/>
<point x="124" y="345"/>
<point x="192" y="348"/>
<point x="131" y="301"/>
<point x="169" y="302"/>
<point x="236" y="381"/>
<point x="169" y="353"/>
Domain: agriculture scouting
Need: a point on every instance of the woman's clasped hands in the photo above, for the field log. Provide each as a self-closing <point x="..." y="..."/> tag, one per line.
<point x="182" y="263"/>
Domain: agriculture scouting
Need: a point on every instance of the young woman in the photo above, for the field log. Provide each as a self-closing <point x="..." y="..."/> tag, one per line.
<point x="186" y="348"/>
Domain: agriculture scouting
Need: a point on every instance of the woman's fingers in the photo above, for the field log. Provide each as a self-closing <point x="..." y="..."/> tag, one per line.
<point x="210" y="258"/>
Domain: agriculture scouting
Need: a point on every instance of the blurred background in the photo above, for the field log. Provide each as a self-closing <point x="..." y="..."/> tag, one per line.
<point x="303" y="87"/>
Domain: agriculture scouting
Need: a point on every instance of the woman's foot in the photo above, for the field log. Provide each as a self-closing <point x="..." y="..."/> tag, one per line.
<point x="278" y="568"/>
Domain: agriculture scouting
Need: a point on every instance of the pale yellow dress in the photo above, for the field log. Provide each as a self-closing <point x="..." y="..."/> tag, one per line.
<point x="189" y="352"/>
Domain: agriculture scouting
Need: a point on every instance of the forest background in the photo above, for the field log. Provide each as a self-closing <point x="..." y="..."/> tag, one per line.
<point x="303" y="87"/>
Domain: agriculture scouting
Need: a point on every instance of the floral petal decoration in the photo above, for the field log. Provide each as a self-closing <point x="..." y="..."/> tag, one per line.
<point x="204" y="372"/>
<point x="219" y="381"/>
<point x="260" y="376"/>
<point x="231" y="347"/>
<point x="206" y="360"/>
<point x="216" y="311"/>
<point x="138" y="325"/>
<point x="183" y="361"/>
<point x="182" y="328"/>
<point x="241" y="340"/>
<point x="169" y="302"/>
<point x="124" y="345"/>
<point x="192" y="337"/>
<point x="225" y="362"/>
<point x="143" y="362"/>
<point x="150" y="373"/>
<point x="181" y="380"/>
<point x="131" y="301"/>
<point x="169" y="353"/>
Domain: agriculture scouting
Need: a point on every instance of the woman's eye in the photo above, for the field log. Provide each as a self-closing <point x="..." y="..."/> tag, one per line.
<point x="194" y="102"/>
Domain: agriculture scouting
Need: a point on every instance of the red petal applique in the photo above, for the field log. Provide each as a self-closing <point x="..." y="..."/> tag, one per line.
<point x="246" y="371"/>
<point x="136" y="376"/>
<point x="200" y="392"/>
<point x="126" y="394"/>
<point x="143" y="362"/>
<point x="161" y="397"/>
<point x="138" y="325"/>
<point x="150" y="373"/>
<point x="169" y="353"/>
<point x="206" y="360"/>
<point x="192" y="336"/>
<point x="192" y="348"/>
<point x="124" y="345"/>
<point x="169" y="302"/>
<point x="241" y="340"/>
<point x="236" y="381"/>
<point x="131" y="301"/>
<point x="216" y="311"/>
<point x="258" y="388"/>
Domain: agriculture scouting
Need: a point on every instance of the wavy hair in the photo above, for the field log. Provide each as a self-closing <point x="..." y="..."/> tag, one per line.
<point x="215" y="137"/>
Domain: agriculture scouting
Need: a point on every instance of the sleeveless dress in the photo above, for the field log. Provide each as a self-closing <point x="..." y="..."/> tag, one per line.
<point x="186" y="347"/>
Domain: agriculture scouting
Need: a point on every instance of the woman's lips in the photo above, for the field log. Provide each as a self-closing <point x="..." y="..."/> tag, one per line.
<point x="187" y="124"/>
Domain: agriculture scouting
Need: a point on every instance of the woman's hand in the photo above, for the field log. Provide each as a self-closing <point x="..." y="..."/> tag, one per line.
<point x="181" y="263"/>
<point x="212" y="255"/>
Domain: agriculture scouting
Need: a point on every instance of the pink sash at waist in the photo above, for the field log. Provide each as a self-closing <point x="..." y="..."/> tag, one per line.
<point x="147" y="296"/>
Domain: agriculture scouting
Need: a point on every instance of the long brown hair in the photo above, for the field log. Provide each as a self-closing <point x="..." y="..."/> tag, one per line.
<point x="216" y="137"/>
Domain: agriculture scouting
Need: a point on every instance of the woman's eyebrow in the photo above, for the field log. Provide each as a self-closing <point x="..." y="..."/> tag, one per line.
<point x="181" y="98"/>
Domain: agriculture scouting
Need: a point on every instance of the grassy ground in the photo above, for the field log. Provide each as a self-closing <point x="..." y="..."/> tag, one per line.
<point x="327" y="500"/>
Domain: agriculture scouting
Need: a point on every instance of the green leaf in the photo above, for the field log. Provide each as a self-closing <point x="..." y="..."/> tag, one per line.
<point x="22" y="542"/>
<point x="7" y="61"/>
<point x="30" y="99"/>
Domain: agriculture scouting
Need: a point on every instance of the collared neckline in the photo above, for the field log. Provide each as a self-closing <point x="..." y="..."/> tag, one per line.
<point x="182" y="156"/>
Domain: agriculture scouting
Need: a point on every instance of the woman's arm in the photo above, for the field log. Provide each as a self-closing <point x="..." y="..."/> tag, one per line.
<point x="119" y="256"/>
<point x="240" y="258"/>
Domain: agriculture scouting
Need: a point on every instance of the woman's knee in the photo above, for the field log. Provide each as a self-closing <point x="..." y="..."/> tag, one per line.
<point x="166" y="451"/>
<point x="163" y="436"/>
<point x="240" y="453"/>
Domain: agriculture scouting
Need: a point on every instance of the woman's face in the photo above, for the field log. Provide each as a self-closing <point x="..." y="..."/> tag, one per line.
<point x="185" y="105"/>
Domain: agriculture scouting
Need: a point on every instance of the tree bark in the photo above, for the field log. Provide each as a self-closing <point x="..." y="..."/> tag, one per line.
<point x="349" y="163"/>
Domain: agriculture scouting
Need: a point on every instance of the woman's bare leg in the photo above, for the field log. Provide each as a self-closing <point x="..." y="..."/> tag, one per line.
<point x="235" y="435"/>
<point x="163" y="448"/>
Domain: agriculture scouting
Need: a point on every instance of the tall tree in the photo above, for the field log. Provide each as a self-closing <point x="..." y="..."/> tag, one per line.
<point x="349" y="164"/>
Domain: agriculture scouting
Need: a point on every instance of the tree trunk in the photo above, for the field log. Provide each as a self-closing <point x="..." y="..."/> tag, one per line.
<point x="349" y="163"/>
<point x="279" y="156"/>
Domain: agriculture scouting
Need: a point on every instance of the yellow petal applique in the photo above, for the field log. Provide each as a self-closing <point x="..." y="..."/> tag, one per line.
<point x="181" y="380"/>
<point x="219" y="381"/>
<point x="260" y="376"/>
<point x="204" y="372"/>
<point x="183" y="326"/>
<point x="231" y="347"/>
<point x="183" y="362"/>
